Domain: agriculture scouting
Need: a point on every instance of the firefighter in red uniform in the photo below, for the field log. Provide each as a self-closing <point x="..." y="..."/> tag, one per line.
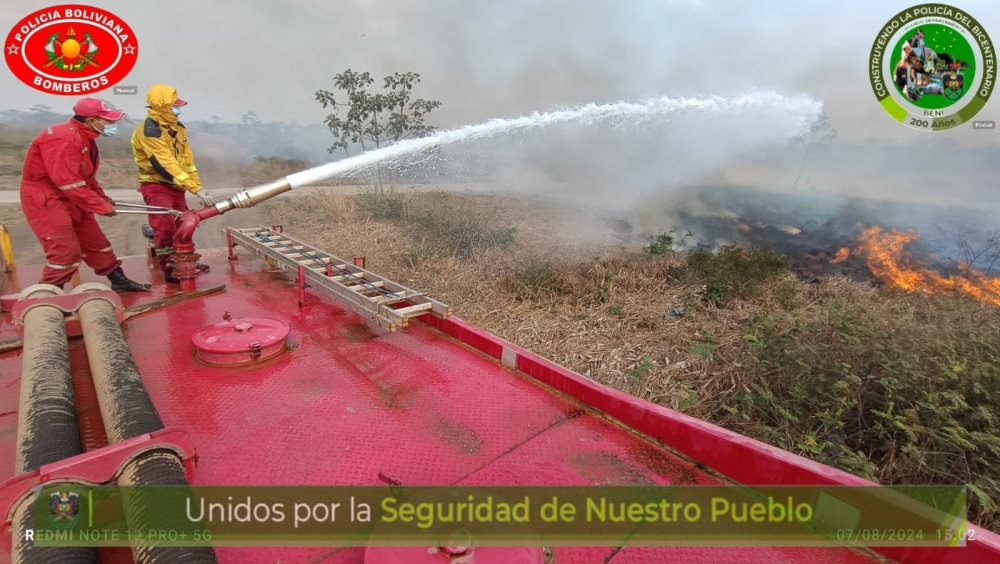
<point x="166" y="168"/>
<point x="60" y="195"/>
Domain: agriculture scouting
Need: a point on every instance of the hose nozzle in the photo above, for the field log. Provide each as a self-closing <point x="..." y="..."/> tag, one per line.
<point x="253" y="196"/>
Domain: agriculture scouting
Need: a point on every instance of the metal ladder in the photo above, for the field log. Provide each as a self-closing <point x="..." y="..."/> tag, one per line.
<point x="378" y="299"/>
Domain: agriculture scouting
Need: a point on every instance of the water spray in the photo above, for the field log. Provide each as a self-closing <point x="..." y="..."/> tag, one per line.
<point x="185" y="260"/>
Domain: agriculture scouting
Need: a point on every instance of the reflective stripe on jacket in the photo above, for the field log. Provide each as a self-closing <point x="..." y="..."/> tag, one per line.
<point x="160" y="146"/>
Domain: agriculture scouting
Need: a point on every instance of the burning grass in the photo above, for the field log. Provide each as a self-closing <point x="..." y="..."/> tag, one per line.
<point x="888" y="261"/>
<point x="898" y="387"/>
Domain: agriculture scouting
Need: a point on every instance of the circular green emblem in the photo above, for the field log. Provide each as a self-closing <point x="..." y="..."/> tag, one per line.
<point x="932" y="67"/>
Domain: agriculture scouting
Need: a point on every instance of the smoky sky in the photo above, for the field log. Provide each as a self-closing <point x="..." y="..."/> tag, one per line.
<point x="486" y="59"/>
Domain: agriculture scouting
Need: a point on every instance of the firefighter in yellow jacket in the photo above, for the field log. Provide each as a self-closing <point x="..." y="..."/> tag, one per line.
<point x="166" y="167"/>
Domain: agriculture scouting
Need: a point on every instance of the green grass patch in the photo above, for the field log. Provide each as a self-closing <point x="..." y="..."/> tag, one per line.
<point x="733" y="272"/>
<point x="899" y="389"/>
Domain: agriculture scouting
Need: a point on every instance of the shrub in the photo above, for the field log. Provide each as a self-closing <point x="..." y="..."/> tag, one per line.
<point x="463" y="236"/>
<point x="606" y="286"/>
<point x="420" y="253"/>
<point x="865" y="385"/>
<point x="388" y="205"/>
<point x="638" y="373"/>
<point x="537" y="279"/>
<point x="462" y="226"/>
<point x="734" y="272"/>
<point x="661" y="244"/>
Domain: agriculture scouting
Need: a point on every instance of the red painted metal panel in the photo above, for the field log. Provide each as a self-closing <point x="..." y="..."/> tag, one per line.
<point x="469" y="334"/>
<point x="740" y="458"/>
<point x="352" y="400"/>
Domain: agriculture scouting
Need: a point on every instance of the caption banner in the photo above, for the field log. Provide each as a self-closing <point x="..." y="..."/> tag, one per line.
<point x="73" y="515"/>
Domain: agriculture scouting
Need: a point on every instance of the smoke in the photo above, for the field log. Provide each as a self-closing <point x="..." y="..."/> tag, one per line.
<point x="630" y="135"/>
<point x="501" y="59"/>
<point x="488" y="60"/>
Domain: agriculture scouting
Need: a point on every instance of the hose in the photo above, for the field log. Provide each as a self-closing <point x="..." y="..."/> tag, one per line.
<point x="126" y="408"/>
<point x="128" y="411"/>
<point x="46" y="419"/>
<point x="47" y="428"/>
<point x="144" y="507"/>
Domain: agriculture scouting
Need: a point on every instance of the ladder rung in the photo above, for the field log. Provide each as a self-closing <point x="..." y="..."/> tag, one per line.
<point x="276" y="244"/>
<point x="413" y="309"/>
<point x="343" y="277"/>
<point x="366" y="285"/>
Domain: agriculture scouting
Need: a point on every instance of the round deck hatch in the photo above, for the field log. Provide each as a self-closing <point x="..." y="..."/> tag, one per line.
<point x="236" y="342"/>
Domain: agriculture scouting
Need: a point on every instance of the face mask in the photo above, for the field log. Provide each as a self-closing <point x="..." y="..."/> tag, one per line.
<point x="110" y="130"/>
<point x="177" y="111"/>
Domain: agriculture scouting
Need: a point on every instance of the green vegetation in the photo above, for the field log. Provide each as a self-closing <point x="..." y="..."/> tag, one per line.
<point x="897" y="388"/>
<point x="15" y="141"/>
<point x="661" y="244"/>
<point x="372" y="120"/>
<point x="421" y="253"/>
<point x="607" y="285"/>
<point x="735" y="273"/>
<point x="638" y="373"/>
<point x="537" y="279"/>
<point x="391" y="206"/>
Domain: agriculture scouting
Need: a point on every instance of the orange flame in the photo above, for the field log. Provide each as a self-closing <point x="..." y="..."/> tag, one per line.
<point x="744" y="227"/>
<point x="887" y="261"/>
<point x="842" y="255"/>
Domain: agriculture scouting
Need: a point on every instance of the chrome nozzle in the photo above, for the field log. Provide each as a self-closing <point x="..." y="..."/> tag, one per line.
<point x="253" y="196"/>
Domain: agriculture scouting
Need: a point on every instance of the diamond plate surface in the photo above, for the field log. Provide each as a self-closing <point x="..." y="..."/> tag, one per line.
<point x="352" y="400"/>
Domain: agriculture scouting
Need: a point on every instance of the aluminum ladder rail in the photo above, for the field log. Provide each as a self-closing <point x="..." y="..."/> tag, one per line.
<point x="378" y="299"/>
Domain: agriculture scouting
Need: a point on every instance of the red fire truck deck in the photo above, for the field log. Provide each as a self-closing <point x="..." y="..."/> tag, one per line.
<point x="437" y="402"/>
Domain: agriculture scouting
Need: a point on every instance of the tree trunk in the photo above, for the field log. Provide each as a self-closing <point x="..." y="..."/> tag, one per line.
<point x="804" y="157"/>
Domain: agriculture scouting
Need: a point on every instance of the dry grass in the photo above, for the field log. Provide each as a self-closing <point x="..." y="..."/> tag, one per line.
<point x="903" y="389"/>
<point x="602" y="311"/>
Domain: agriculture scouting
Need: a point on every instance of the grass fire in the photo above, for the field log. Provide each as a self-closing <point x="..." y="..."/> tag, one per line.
<point x="885" y="254"/>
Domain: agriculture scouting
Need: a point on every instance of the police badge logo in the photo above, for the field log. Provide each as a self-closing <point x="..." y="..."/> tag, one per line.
<point x="64" y="508"/>
<point x="932" y="67"/>
<point x="71" y="49"/>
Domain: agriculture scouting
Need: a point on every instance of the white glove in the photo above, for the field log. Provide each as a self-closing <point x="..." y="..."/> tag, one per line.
<point x="206" y="198"/>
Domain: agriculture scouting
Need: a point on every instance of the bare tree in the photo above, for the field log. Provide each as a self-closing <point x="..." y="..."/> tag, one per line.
<point x="821" y="131"/>
<point x="983" y="257"/>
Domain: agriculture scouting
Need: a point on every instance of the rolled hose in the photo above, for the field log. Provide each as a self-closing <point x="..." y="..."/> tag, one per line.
<point x="47" y="428"/>
<point x="128" y="411"/>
